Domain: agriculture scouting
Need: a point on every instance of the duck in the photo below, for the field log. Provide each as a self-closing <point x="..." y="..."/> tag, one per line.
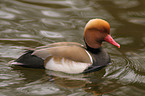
<point x="73" y="57"/>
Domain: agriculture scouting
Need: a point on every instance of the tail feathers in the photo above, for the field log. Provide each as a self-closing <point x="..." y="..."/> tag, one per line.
<point x="28" y="60"/>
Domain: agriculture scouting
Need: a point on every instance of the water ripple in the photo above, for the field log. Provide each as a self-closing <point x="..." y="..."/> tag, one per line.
<point x="126" y="3"/>
<point x="51" y="13"/>
<point x="127" y="70"/>
<point x="51" y="34"/>
<point x="37" y="89"/>
<point x="6" y="15"/>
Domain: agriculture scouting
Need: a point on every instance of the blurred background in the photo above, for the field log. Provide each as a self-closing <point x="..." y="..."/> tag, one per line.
<point x="32" y="23"/>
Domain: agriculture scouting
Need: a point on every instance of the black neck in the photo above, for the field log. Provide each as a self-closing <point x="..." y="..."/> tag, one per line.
<point x="93" y="50"/>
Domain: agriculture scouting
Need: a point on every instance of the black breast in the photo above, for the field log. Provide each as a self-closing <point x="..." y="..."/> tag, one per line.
<point x="100" y="59"/>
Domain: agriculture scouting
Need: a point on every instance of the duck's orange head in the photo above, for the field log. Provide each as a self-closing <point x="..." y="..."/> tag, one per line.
<point x="96" y="31"/>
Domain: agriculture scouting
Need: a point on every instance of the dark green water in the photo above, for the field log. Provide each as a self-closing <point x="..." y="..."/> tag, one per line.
<point x="32" y="23"/>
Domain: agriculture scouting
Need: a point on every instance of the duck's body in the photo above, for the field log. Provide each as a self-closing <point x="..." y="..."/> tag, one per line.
<point x="71" y="57"/>
<point x="58" y="57"/>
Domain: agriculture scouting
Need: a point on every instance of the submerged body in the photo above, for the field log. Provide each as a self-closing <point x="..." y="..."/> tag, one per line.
<point x="71" y="57"/>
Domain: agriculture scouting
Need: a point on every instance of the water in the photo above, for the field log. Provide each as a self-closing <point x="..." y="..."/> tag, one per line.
<point x="32" y="23"/>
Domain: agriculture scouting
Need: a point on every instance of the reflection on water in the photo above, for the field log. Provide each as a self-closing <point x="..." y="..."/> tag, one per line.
<point x="28" y="24"/>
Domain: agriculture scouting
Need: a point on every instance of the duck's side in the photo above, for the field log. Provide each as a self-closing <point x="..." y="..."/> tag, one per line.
<point x="68" y="58"/>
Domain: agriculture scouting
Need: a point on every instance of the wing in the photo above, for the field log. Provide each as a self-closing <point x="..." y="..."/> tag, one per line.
<point x="69" y="50"/>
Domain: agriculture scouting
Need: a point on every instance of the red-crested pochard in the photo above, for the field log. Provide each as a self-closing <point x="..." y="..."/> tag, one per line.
<point x="71" y="57"/>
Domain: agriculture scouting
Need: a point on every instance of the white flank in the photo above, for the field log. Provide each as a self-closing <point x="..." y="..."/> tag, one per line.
<point x="67" y="66"/>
